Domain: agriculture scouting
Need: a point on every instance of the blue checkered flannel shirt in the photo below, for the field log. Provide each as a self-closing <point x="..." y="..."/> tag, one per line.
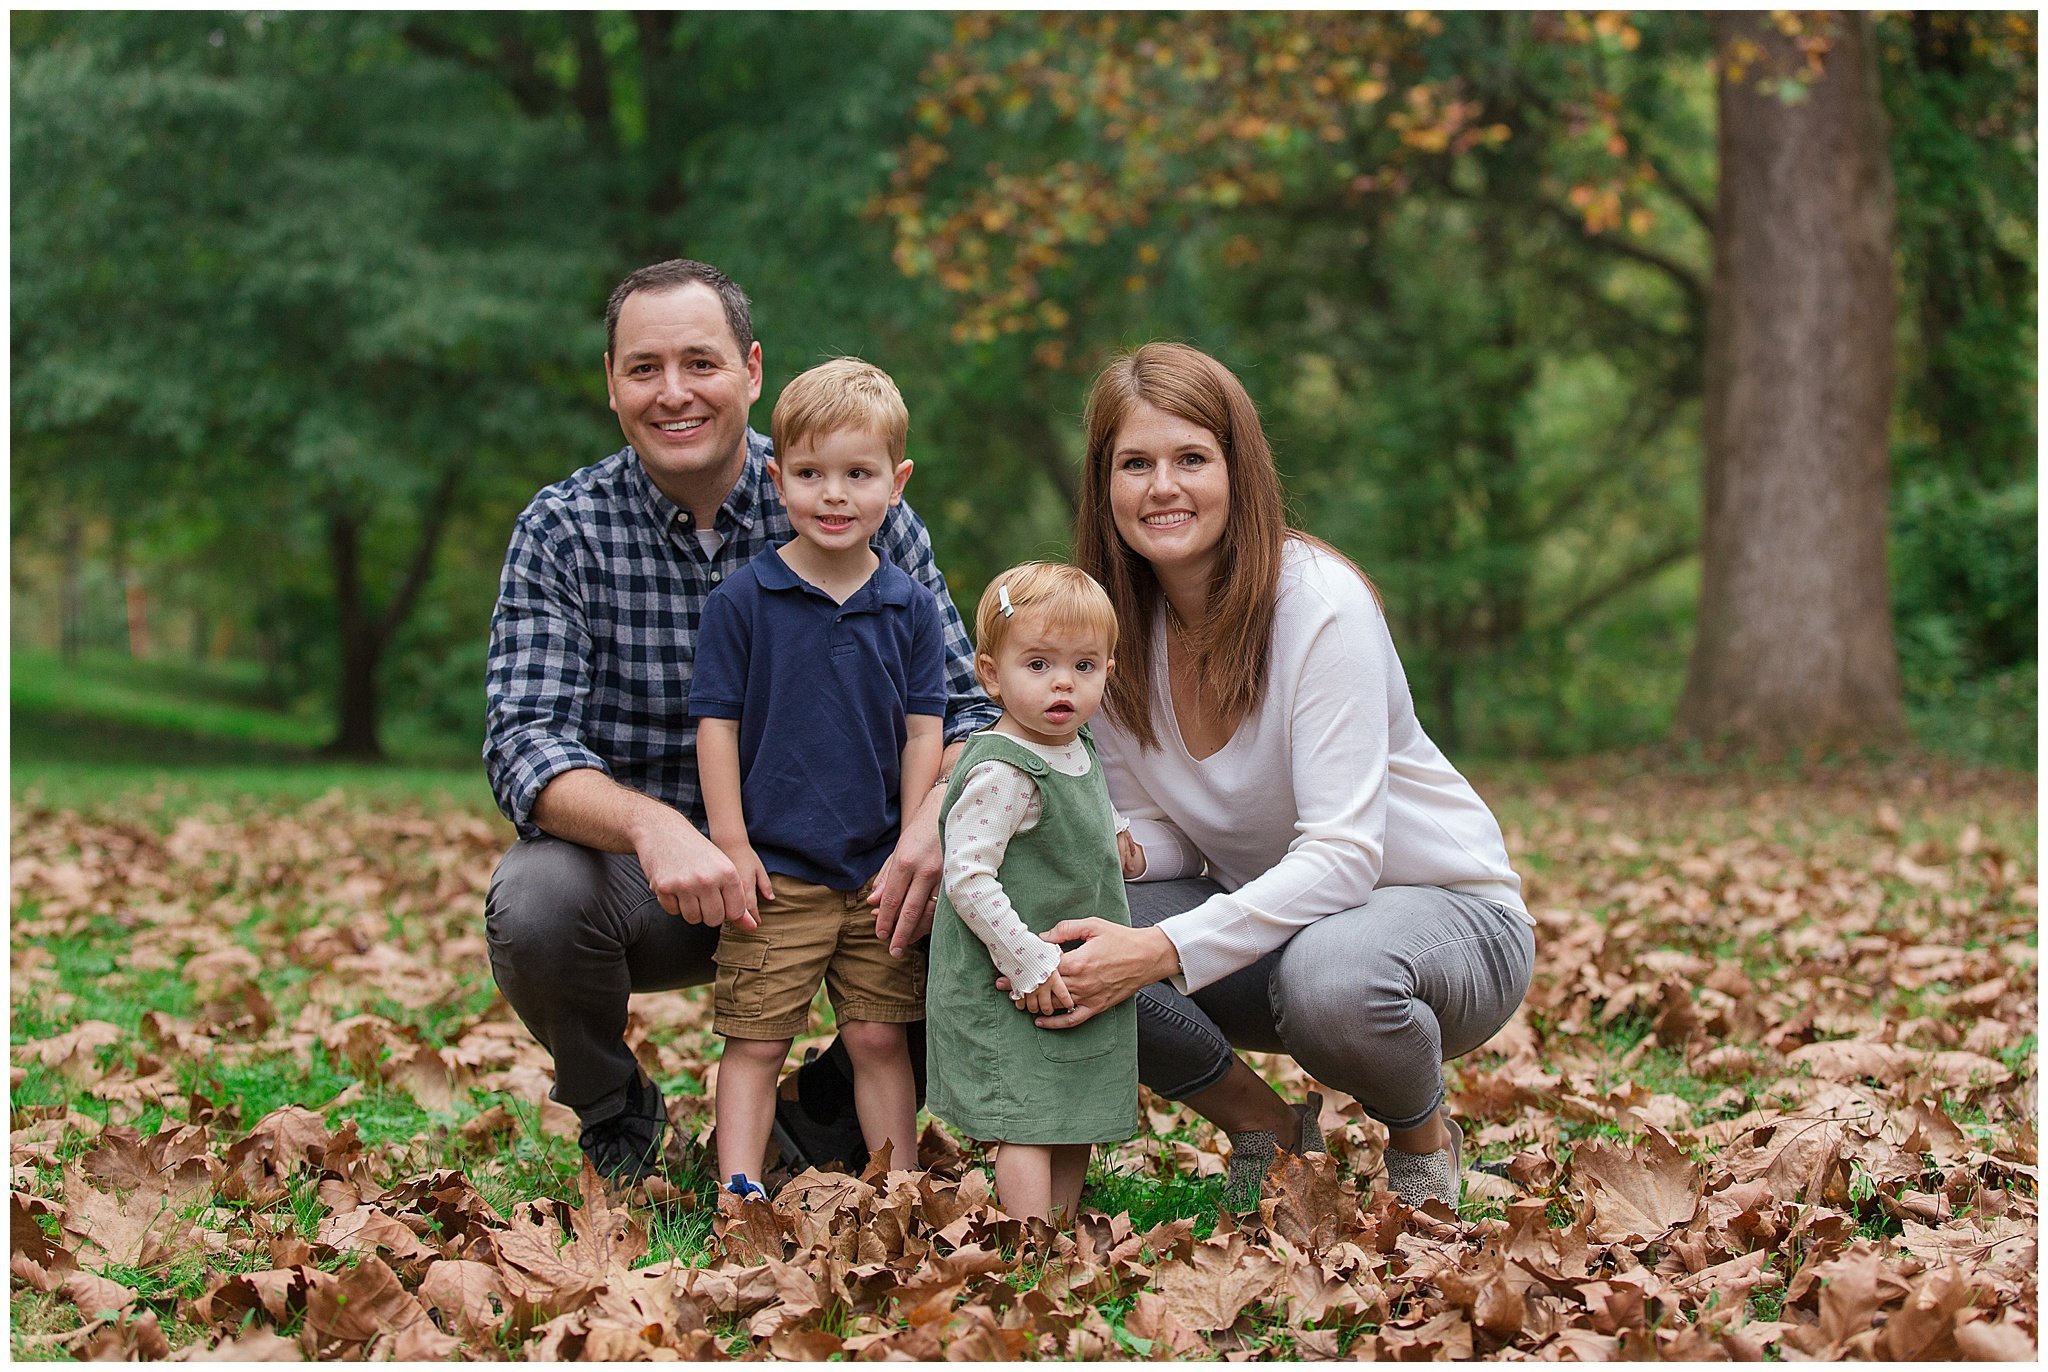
<point x="597" y="615"/>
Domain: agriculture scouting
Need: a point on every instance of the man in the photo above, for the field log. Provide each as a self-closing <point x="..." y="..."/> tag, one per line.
<point x="613" y="886"/>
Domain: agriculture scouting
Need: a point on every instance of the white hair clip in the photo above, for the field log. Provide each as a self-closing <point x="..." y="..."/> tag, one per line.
<point x="1003" y="600"/>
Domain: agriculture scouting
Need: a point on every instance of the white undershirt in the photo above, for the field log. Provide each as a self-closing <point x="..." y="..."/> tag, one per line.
<point x="1327" y="791"/>
<point x="997" y="802"/>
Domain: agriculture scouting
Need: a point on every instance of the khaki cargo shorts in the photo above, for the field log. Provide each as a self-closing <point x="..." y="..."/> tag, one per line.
<point x="768" y="976"/>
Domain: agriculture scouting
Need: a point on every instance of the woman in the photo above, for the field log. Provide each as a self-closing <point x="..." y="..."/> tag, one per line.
<point x="1358" y="911"/>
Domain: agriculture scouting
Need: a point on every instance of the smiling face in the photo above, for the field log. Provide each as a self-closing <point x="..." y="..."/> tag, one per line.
<point x="1048" y="679"/>
<point x="838" y="487"/>
<point x="1169" y="491"/>
<point x="681" y="388"/>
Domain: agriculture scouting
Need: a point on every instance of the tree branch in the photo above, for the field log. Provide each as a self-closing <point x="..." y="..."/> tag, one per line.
<point x="593" y="93"/>
<point x="1626" y="440"/>
<point x="1688" y="280"/>
<point x="1619" y="582"/>
<point x="1698" y="208"/>
<point x="433" y="523"/>
<point x="511" y="66"/>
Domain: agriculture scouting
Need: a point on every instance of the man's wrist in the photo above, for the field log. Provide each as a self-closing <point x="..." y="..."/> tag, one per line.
<point x="652" y="819"/>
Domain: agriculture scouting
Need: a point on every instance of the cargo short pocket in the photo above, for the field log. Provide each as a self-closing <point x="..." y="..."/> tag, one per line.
<point x="740" y="988"/>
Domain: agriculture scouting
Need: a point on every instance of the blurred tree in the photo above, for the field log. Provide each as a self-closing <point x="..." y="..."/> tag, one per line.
<point x="750" y="141"/>
<point x="1564" y="168"/>
<point x="1960" y="92"/>
<point x="1795" y="633"/>
<point x="1404" y="225"/>
<point x="265" y="271"/>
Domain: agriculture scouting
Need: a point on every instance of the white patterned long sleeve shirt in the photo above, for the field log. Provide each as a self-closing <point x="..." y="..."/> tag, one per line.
<point x="996" y="803"/>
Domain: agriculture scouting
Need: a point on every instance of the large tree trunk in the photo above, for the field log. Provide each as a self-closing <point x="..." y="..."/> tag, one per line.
<point x="71" y="595"/>
<point x="1795" y="633"/>
<point x="366" y="635"/>
<point x="361" y="645"/>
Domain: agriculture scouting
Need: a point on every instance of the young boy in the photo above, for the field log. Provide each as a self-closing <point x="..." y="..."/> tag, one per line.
<point x="819" y="689"/>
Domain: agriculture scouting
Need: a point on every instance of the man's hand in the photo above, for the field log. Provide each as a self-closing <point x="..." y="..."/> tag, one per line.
<point x="907" y="888"/>
<point x="1114" y="963"/>
<point x="1049" y="995"/>
<point x="691" y="877"/>
<point x="1131" y="854"/>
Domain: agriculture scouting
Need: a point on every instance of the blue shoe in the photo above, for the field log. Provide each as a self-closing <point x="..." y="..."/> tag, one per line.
<point x="746" y="1188"/>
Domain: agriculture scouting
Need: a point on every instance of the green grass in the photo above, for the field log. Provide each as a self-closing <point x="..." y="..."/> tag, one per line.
<point x="162" y="738"/>
<point x="1153" y="1201"/>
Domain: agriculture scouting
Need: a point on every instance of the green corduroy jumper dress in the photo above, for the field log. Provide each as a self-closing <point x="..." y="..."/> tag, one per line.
<point x="992" y="1073"/>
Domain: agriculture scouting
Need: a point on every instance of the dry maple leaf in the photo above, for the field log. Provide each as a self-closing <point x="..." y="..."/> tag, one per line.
<point x="1217" y="1281"/>
<point x="1152" y="1318"/>
<point x="96" y="1295"/>
<point x="280" y="1143"/>
<point x="1487" y="1290"/>
<point x="2001" y="1340"/>
<point x="1637" y="1194"/>
<point x="75" y="1053"/>
<point x="1308" y="1201"/>
<point x="138" y="1231"/>
<point x="278" y="1293"/>
<point x="465" y="1292"/>
<point x="357" y="1304"/>
<point x="1853" y="1059"/>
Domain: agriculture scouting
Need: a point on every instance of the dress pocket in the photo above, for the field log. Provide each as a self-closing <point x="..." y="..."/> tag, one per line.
<point x="1091" y="1040"/>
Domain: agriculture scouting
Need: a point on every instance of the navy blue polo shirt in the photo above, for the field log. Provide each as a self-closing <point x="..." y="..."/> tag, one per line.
<point x="821" y="691"/>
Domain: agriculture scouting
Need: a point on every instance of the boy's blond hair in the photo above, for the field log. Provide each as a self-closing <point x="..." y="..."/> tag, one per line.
<point x="1064" y="597"/>
<point x="845" y="393"/>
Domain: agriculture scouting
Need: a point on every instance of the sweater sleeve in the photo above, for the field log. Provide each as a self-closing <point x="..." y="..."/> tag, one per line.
<point x="1168" y="852"/>
<point x="997" y="802"/>
<point x="1336" y="721"/>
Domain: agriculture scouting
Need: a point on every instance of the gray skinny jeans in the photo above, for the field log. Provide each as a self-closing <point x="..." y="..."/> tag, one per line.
<point x="1372" y="1001"/>
<point x="572" y="933"/>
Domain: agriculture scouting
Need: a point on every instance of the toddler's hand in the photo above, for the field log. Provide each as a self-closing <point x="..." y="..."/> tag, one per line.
<point x="1131" y="854"/>
<point x="1051" y="995"/>
<point x="754" y="877"/>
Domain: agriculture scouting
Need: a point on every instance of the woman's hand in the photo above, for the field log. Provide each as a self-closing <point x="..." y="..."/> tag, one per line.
<point x="1113" y="964"/>
<point x="1049" y="995"/>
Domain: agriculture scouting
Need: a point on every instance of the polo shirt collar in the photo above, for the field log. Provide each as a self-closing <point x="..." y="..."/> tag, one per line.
<point x="742" y="505"/>
<point x="881" y="589"/>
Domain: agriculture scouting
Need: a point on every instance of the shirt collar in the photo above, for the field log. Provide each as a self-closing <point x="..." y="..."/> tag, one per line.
<point x="881" y="589"/>
<point x="742" y="504"/>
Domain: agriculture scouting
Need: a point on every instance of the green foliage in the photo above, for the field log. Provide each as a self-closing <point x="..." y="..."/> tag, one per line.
<point x="293" y="284"/>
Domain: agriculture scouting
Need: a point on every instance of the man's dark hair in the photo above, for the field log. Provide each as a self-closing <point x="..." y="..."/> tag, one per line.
<point x="681" y="271"/>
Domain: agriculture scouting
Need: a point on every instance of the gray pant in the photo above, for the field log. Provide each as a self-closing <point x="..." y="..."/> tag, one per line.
<point x="1372" y="1001"/>
<point x="573" y="932"/>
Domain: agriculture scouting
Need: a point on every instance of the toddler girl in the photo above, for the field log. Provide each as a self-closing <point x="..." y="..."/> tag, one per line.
<point x="1030" y="840"/>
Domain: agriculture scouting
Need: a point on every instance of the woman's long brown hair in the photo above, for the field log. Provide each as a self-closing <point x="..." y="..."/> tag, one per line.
<point x="1231" y="648"/>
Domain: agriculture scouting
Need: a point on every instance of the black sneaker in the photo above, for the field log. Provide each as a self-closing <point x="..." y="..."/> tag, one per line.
<point x="627" y="1147"/>
<point x="806" y="1142"/>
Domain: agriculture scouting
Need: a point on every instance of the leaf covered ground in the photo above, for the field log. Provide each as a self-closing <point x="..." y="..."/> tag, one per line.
<point x="1772" y="1094"/>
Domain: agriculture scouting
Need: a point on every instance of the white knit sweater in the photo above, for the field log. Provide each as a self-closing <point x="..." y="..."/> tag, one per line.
<point x="1328" y="791"/>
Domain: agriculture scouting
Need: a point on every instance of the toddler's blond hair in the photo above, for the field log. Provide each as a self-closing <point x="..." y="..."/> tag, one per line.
<point x="1064" y="597"/>
<point x="845" y="393"/>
